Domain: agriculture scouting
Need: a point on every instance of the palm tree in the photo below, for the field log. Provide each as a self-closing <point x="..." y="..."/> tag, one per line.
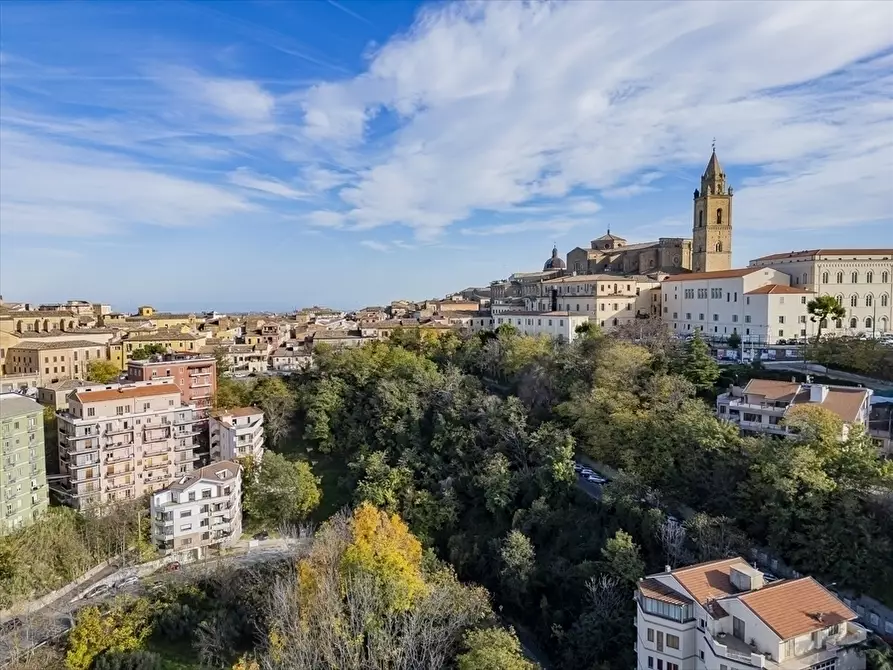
<point x="822" y="308"/>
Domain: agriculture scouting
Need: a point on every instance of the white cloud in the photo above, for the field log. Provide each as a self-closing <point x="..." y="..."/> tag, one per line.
<point x="375" y="246"/>
<point x="50" y="188"/>
<point x="502" y="103"/>
<point x="245" y="178"/>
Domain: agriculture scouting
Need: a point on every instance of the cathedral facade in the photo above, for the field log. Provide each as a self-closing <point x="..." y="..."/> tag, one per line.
<point x="709" y="249"/>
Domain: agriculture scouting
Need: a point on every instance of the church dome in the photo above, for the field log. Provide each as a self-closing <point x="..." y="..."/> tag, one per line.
<point x="554" y="263"/>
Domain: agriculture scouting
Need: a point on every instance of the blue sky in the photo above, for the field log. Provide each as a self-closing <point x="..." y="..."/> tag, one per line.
<point x="198" y="155"/>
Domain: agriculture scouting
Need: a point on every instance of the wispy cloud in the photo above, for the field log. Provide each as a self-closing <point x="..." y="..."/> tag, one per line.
<point x="375" y="246"/>
<point x="247" y="179"/>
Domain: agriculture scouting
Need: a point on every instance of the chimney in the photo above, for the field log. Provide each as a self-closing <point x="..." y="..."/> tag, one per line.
<point x="818" y="393"/>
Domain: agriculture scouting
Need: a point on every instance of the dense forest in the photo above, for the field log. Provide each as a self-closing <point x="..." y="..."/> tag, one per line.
<point x="455" y="455"/>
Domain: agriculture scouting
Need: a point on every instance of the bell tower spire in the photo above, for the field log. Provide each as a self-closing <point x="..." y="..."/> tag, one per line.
<point x="712" y="225"/>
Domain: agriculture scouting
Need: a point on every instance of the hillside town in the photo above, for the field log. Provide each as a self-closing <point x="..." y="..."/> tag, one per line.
<point x="102" y="408"/>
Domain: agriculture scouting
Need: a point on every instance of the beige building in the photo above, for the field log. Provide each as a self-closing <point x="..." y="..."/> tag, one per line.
<point x="762" y="405"/>
<point x="610" y="300"/>
<point x="199" y="511"/>
<point x="54" y="361"/>
<point x="860" y="279"/>
<point x="119" y="441"/>
<point x="23" y="481"/>
<point x="709" y="249"/>
<point x="722" y="615"/>
<point x="56" y="394"/>
<point x="237" y="433"/>
<point x="558" y="325"/>
<point x="291" y="358"/>
<point x="36" y="321"/>
<point x="756" y="303"/>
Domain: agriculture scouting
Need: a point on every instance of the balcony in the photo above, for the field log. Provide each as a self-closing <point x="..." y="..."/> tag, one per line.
<point x="769" y="408"/>
<point x="159" y="476"/>
<point x="200" y="383"/>
<point x="199" y="372"/>
<point x="156" y="451"/>
<point x="164" y="531"/>
<point x="118" y="431"/>
<point x="117" y="486"/>
<point x="117" y="459"/>
<point x="89" y="477"/>
<point x="150" y="439"/>
<point x="156" y="466"/>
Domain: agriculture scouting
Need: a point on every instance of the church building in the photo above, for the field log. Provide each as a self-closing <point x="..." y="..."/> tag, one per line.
<point x="709" y="249"/>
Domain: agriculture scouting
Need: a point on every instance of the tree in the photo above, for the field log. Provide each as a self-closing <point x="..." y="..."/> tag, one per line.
<point x="146" y="351"/>
<point x="588" y="329"/>
<point x="231" y="393"/>
<point x="222" y="361"/>
<point x="699" y="367"/>
<point x="518" y="563"/>
<point x="278" y="404"/>
<point x="138" y="659"/>
<point x="493" y="649"/>
<point x="622" y="557"/>
<point x="822" y="308"/>
<point x="734" y="341"/>
<point x="671" y="535"/>
<point x="283" y="491"/>
<point x="102" y="371"/>
<point x="124" y="628"/>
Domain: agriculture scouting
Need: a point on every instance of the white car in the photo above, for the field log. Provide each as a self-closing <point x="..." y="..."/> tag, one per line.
<point x="127" y="581"/>
<point x="585" y="472"/>
<point x="595" y="479"/>
<point x="578" y="467"/>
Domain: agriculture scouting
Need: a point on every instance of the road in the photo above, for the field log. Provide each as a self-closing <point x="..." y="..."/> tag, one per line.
<point x="57" y="618"/>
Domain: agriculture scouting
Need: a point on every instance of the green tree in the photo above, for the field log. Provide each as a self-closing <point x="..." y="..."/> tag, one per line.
<point x="283" y="491"/>
<point x="144" y="352"/>
<point x="699" y="367"/>
<point x="518" y="562"/>
<point x="822" y="308"/>
<point x="231" y="393"/>
<point x="278" y="404"/>
<point x="381" y="484"/>
<point x="102" y="371"/>
<point x="734" y="341"/>
<point x="622" y="557"/>
<point x="221" y="360"/>
<point x="588" y="329"/>
<point x="493" y="649"/>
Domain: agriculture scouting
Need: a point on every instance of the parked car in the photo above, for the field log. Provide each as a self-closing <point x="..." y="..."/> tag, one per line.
<point x="263" y="535"/>
<point x="672" y="520"/>
<point x="173" y="566"/>
<point x="127" y="581"/>
<point x="578" y="467"/>
<point x="97" y="590"/>
<point x="594" y="479"/>
<point x="11" y="625"/>
<point x="585" y="472"/>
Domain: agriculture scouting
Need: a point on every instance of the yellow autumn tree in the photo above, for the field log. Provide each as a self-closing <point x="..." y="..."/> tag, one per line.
<point x="383" y="547"/>
<point x="124" y="628"/>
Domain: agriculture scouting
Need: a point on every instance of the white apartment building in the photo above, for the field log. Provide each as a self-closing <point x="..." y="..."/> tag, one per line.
<point x="756" y="303"/>
<point x="237" y="433"/>
<point x="119" y="441"/>
<point x="610" y="300"/>
<point x="559" y="325"/>
<point x="860" y="279"/>
<point x="199" y="510"/>
<point x="763" y="404"/>
<point x="721" y="616"/>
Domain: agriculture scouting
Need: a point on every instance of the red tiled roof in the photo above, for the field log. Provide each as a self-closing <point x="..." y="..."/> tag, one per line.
<point x="127" y="392"/>
<point x="718" y="274"/>
<point x="826" y="252"/>
<point x="777" y="289"/>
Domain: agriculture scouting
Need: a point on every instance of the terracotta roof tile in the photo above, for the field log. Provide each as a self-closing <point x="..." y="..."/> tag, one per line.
<point x="719" y="274"/>
<point x="845" y="402"/>
<point x="706" y="581"/>
<point x="126" y="392"/>
<point x="773" y="389"/>
<point x="33" y="345"/>
<point x="652" y="588"/>
<point x="777" y="289"/>
<point x="791" y="608"/>
<point x="808" y="253"/>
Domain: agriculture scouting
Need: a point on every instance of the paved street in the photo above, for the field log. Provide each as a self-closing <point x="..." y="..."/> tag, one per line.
<point x="57" y="618"/>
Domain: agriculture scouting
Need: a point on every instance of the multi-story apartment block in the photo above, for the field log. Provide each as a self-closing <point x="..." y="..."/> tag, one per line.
<point x="756" y="303"/>
<point x="762" y="405"/>
<point x="54" y="361"/>
<point x="199" y="510"/>
<point x="237" y="433"/>
<point x="559" y="325"/>
<point x="721" y="616"/>
<point x="860" y="279"/>
<point x="194" y="374"/>
<point x="610" y="300"/>
<point x="23" y="481"/>
<point x="170" y="340"/>
<point x="119" y="441"/>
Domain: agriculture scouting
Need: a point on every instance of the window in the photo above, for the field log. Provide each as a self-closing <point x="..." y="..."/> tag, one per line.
<point x="701" y="654"/>
<point x="91" y="411"/>
<point x="853" y="323"/>
<point x="191" y="496"/>
<point x="885" y="277"/>
<point x="854" y="300"/>
<point x="688" y="316"/>
<point x="781" y="332"/>
<point x="868" y="300"/>
<point x="840" y="278"/>
<point x="734" y="318"/>
<point x="854" y="278"/>
<point x="629" y="306"/>
<point x="781" y="319"/>
<point x="716" y="293"/>
<point x="651" y="635"/>
<point x="672" y="641"/>
<point x="675" y="314"/>
<point x="700" y="219"/>
<point x="825" y="277"/>
<point x="672" y="666"/>
<point x="660" y="664"/>
<point x="651" y="661"/>
<point x="802" y="319"/>
<point x="185" y="513"/>
<point x="716" y="317"/>
<point x="884" y="300"/>
<point x="119" y="410"/>
<point x="868" y="322"/>
<point x="719" y="218"/>
<point x="700" y="317"/>
<point x="869" y="277"/>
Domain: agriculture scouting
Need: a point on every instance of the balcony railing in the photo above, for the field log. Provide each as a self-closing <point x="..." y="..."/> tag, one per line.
<point x="156" y="466"/>
<point x="117" y="459"/>
<point x="115" y="486"/>
<point x="118" y="431"/>
<point x="199" y="372"/>
<point x="156" y="452"/>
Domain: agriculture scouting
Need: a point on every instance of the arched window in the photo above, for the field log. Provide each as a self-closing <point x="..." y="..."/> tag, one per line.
<point x="854" y="300"/>
<point x="868" y="322"/>
<point x="868" y="299"/>
<point x="869" y="277"/>
<point x="854" y="278"/>
<point x="885" y="277"/>
<point x="805" y="277"/>
<point x="615" y="322"/>
<point x="884" y="299"/>
<point x="823" y="324"/>
<point x="36" y="325"/>
<point x="719" y="246"/>
<point x="853" y="323"/>
<point x="840" y="278"/>
<point x="701" y="219"/>
<point x="19" y="325"/>
<point x="825" y="277"/>
<point x="838" y="323"/>
<point x="719" y="216"/>
<point x="839" y="299"/>
<point x="884" y="324"/>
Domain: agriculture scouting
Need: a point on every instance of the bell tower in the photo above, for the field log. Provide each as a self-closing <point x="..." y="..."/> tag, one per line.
<point x="712" y="225"/>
